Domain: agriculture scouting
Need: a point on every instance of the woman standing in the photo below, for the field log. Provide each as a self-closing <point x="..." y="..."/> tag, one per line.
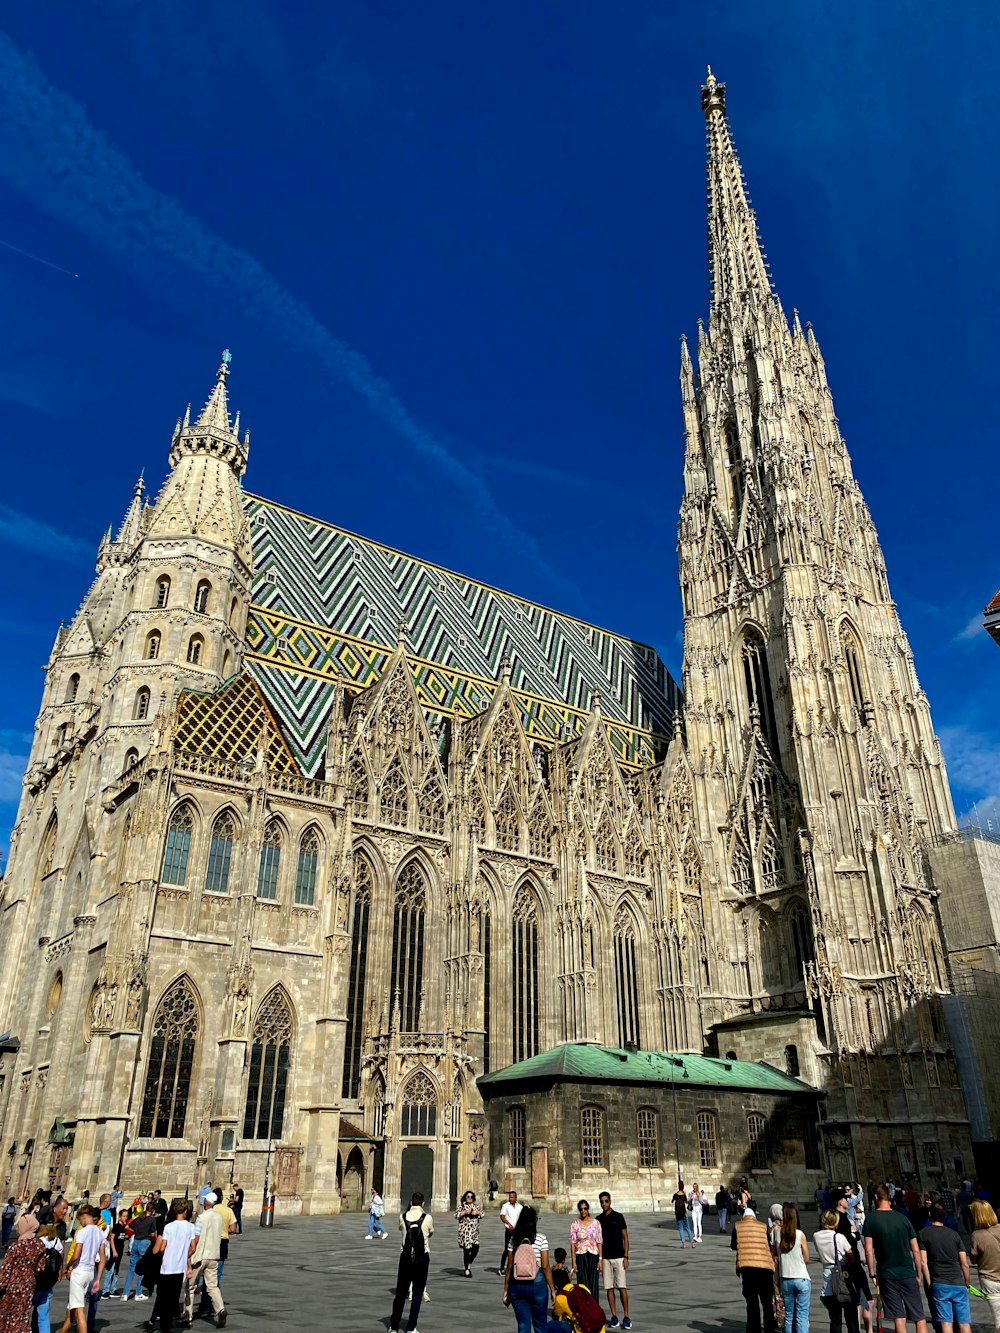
<point x="469" y="1216"/>
<point x="679" y="1199"/>
<point x="529" y="1293"/>
<point x="699" y="1202"/>
<point x="22" y="1263"/>
<point x="985" y="1252"/>
<point x="796" y="1284"/>
<point x="586" y="1246"/>
<point x="143" y="1233"/>
<point x="376" y="1211"/>
<point x="833" y="1250"/>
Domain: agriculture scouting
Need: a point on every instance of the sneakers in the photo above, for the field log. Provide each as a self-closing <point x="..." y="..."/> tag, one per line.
<point x="613" y="1322"/>
<point x="220" y="1319"/>
<point x="368" y="1237"/>
<point x="140" y="1296"/>
<point x="626" y="1322"/>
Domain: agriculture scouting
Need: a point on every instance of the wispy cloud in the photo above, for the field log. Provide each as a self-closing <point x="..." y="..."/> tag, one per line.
<point x="972" y="630"/>
<point x="973" y="759"/>
<point x="30" y="534"/>
<point x="14" y="748"/>
<point x="50" y="151"/>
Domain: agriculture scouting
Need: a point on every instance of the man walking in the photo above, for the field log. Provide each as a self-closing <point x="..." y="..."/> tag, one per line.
<point x="945" y="1265"/>
<point x="893" y="1258"/>
<point x="615" y="1251"/>
<point x="206" y="1245"/>
<point x="414" y="1258"/>
<point x="755" y="1266"/>
<point x="509" y="1214"/>
<point x="722" y="1207"/>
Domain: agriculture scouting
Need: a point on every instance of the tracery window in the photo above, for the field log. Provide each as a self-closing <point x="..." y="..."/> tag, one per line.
<point x="477" y="816"/>
<point x="740" y="869"/>
<point x="419" y="1112"/>
<point x="162" y="591"/>
<point x="524" y="998"/>
<point x="305" y="870"/>
<point x="140" y="709"/>
<point x="220" y="854"/>
<point x="691" y="870"/>
<point x="270" y="1061"/>
<point x="432" y="806"/>
<point x="648" y="1137"/>
<point x="356" y="978"/>
<point x="605" y="849"/>
<point x="708" y="1139"/>
<point x="592" y="1135"/>
<point x="734" y="462"/>
<point x="771" y="871"/>
<point x="757" y="1140"/>
<point x="852" y="660"/>
<point x="357" y="785"/>
<point x="47" y="857"/>
<point x="178" y="846"/>
<point x="757" y="680"/>
<point x="539" y="830"/>
<point x="171" y="1064"/>
<point x="394" y="795"/>
<point x="626" y="979"/>
<point x="270" y="862"/>
<point x="407" y="979"/>
<point x="152" y="646"/>
<point x="801" y="933"/>
<point x="516" y="1136"/>
<point x="508" y="822"/>
<point x="201" y="595"/>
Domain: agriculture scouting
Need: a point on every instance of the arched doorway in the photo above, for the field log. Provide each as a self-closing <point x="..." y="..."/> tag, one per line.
<point x="353" y="1193"/>
<point x="416" y="1173"/>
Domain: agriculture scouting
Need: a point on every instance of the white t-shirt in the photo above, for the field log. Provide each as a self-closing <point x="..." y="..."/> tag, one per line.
<point x="178" y="1235"/>
<point x="511" y="1211"/>
<point x="89" y="1240"/>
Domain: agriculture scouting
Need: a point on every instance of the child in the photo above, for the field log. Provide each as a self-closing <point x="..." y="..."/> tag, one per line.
<point x="560" y="1273"/>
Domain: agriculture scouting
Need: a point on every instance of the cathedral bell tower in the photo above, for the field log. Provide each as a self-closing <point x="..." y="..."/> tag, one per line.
<point x="821" y="779"/>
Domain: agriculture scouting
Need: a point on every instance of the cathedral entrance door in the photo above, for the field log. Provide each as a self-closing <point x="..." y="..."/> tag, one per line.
<point x="352" y="1195"/>
<point x="416" y="1174"/>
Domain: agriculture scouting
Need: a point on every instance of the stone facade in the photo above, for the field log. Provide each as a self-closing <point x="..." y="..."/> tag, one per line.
<point x="271" y="867"/>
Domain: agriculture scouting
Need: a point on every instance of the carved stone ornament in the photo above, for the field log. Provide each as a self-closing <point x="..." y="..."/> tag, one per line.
<point x="392" y="851"/>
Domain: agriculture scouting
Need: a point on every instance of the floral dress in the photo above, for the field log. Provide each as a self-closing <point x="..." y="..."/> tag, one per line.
<point x="468" y="1226"/>
<point x="22" y="1262"/>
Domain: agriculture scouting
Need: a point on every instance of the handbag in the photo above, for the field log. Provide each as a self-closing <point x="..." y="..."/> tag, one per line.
<point x="840" y="1288"/>
<point x="48" y="1274"/>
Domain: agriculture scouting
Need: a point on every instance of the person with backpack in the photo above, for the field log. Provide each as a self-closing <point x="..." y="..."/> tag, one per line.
<point x="417" y="1227"/>
<point x="527" y="1282"/>
<point x="376" y="1211"/>
<point x="577" y="1309"/>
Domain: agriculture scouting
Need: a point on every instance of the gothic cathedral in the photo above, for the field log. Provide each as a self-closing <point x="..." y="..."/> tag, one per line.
<point x="314" y="834"/>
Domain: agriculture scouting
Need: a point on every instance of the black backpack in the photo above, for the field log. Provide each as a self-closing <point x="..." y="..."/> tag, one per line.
<point x="48" y="1275"/>
<point x="414" y="1246"/>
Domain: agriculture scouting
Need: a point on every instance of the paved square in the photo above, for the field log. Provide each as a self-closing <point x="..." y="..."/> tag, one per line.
<point x="322" y="1273"/>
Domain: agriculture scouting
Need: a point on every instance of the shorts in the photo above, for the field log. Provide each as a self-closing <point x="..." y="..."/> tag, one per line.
<point x="614" y="1274"/>
<point x="901" y="1298"/>
<point x="950" y="1303"/>
<point x="80" y="1281"/>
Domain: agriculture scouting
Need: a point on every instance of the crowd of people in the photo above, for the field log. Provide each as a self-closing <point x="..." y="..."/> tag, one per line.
<point x="171" y="1254"/>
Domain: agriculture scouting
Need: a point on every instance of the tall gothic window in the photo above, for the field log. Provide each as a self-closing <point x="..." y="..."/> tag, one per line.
<point x="270" y="862"/>
<point x="355" y="1034"/>
<point x="539" y="830"/>
<point x="140" y="708"/>
<point x="162" y="591"/>
<point x="220" y="854"/>
<point x="270" y="1060"/>
<point x="852" y="659"/>
<point x="72" y="687"/>
<point x="757" y="1141"/>
<point x="305" y="869"/>
<point x="802" y="942"/>
<point x="419" y="1114"/>
<point x="605" y="849"/>
<point x="408" y="945"/>
<point x="175" y="854"/>
<point x="708" y="1139"/>
<point x="487" y="947"/>
<point x="508" y="822"/>
<point x="758" y="686"/>
<point x="626" y="980"/>
<point x="357" y="785"/>
<point x="516" y="1136"/>
<point x="195" y="644"/>
<point x="525" y="1003"/>
<point x="153" y="646"/>
<point x="201" y="595"/>
<point x="394" y="795"/>
<point x="431" y="806"/>
<point x="734" y="462"/>
<point x="648" y="1137"/>
<point x="171" y="1064"/>
<point x="47" y="855"/>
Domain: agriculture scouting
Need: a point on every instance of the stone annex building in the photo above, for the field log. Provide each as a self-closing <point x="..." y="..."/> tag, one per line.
<point x="315" y="834"/>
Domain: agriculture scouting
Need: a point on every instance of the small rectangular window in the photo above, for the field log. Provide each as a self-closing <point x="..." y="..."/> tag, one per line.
<point x="592" y="1136"/>
<point x="708" y="1139"/>
<point x="516" y="1129"/>
<point x="649" y="1148"/>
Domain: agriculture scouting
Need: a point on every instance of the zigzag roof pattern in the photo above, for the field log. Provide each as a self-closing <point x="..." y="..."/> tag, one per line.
<point x="327" y="606"/>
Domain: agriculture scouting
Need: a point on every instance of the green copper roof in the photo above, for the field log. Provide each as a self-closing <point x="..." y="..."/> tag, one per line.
<point x="595" y="1064"/>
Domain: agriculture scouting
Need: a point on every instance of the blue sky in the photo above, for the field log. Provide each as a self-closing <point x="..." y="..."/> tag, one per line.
<point x="452" y="247"/>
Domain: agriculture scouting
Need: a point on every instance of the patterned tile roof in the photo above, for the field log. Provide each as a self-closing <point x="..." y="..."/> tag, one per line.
<point x="582" y="1061"/>
<point x="230" y="722"/>
<point x="327" y="605"/>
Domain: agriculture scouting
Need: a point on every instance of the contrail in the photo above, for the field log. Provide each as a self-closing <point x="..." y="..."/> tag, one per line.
<point x="50" y="151"/>
<point x="38" y="259"/>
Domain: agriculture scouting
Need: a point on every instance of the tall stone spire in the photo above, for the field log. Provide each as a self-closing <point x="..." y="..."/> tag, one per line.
<point x="736" y="261"/>
<point x="213" y="432"/>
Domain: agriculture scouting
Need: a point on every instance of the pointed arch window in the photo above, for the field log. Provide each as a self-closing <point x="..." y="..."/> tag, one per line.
<point x="72" y="687"/>
<point x="734" y="462"/>
<point x="855" y="679"/>
<point x="757" y="680"/>
<point x="140" y="708"/>
<point x="394" y="796"/>
<point x="47" y="856"/>
<point x="162" y="596"/>
<point x="178" y="846"/>
<point x="152" y="646"/>
<point x="357" y="785"/>
<point x="432" y="806"/>
<point x="131" y="757"/>
<point x="234" y="610"/>
<point x="220" y="854"/>
<point x="525" y="993"/>
<point x="691" y="871"/>
<point x="407" y="977"/>
<point x="270" y="1061"/>
<point x="507" y="819"/>
<point x="605" y="848"/>
<point x="771" y="868"/>
<point x="539" y="830"/>
<point x="626" y="979"/>
<point x="305" y="870"/>
<point x="487" y="948"/>
<point x="357" y="976"/>
<point x="419" y="1112"/>
<point x="194" y="650"/>
<point x="169" y="1071"/>
<point x="477" y="816"/>
<point x="270" y="862"/>
<point x="740" y="869"/>
<point x="201" y="595"/>
<point x="802" y="941"/>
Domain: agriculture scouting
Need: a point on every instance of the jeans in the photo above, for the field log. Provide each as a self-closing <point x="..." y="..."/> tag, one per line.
<point x="723" y="1214"/>
<point x="375" y="1227"/>
<point x="110" y="1277"/>
<point x="795" y="1292"/>
<point x="139" y="1248"/>
<point x="684" y="1229"/>
<point x="530" y="1303"/>
<point x="408" y="1273"/>
<point x="42" y="1301"/>
<point x="238" y="1214"/>
<point x="840" y="1315"/>
<point x="758" y="1292"/>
